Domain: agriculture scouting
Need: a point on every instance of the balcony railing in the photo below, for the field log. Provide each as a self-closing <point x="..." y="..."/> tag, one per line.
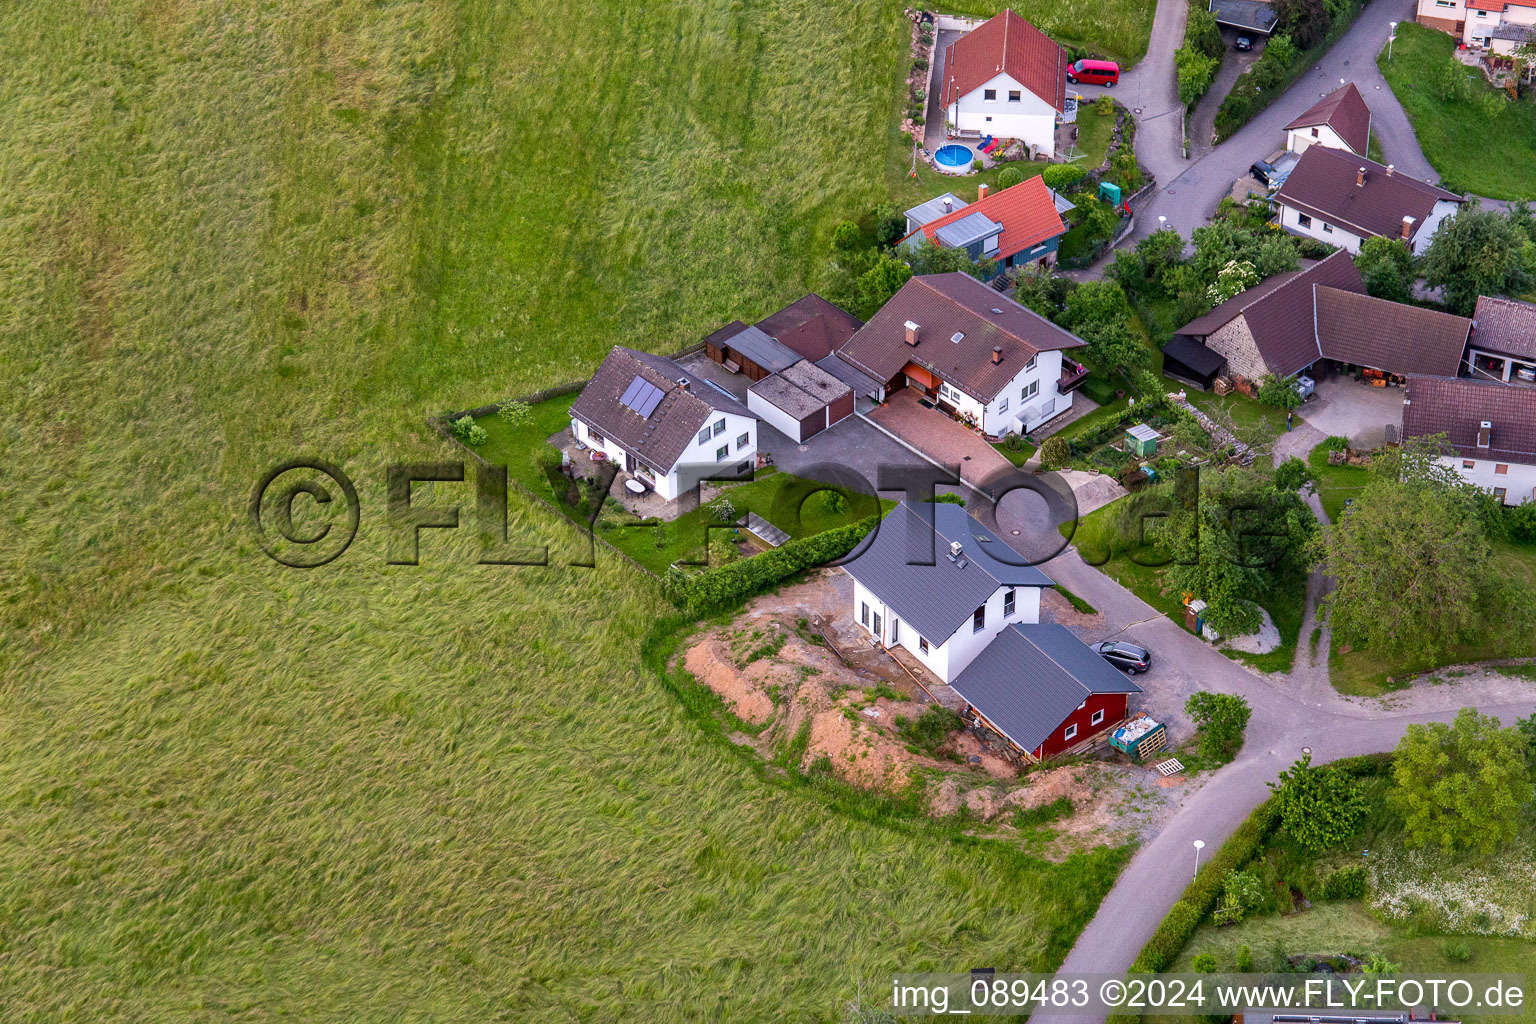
<point x="1072" y="374"/>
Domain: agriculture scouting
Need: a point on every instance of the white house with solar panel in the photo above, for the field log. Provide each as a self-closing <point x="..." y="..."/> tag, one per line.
<point x="643" y="413"/>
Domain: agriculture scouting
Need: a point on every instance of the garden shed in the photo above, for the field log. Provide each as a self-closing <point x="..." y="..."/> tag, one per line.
<point x="743" y="349"/>
<point x="1141" y="440"/>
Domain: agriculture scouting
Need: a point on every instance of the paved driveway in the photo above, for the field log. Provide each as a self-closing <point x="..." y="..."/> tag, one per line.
<point x="1354" y="410"/>
<point x="940" y="438"/>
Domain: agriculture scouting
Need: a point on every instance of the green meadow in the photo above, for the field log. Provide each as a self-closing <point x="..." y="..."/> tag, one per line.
<point x="232" y="234"/>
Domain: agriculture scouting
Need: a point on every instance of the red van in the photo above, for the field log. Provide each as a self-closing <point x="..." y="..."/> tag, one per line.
<point x="1094" y="72"/>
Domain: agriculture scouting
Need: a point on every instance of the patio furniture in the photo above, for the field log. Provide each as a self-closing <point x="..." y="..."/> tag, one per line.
<point x="634" y="486"/>
<point x="598" y="456"/>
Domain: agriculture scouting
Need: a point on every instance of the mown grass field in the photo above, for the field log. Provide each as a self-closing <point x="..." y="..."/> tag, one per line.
<point x="1118" y="29"/>
<point x="1480" y="143"/>
<point x="231" y="235"/>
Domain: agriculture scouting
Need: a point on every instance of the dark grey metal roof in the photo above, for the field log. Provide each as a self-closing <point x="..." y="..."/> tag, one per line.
<point x="934" y="208"/>
<point x="907" y="565"/>
<point x="861" y="382"/>
<point x="1249" y="14"/>
<point x="1032" y="676"/>
<point x="763" y="350"/>
<point x="968" y="229"/>
<point x="1184" y="349"/>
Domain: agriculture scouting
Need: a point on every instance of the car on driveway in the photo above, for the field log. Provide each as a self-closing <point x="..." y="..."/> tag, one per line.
<point x="1130" y="658"/>
<point x="1243" y="43"/>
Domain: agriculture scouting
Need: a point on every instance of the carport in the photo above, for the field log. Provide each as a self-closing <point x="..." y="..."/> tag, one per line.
<point x="1248" y="15"/>
<point x="1186" y="359"/>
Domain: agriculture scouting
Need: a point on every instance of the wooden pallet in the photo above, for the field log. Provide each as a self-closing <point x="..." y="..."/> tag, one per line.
<point x="1172" y="766"/>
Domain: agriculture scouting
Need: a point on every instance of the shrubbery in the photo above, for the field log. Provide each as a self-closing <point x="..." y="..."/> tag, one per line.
<point x="725" y="586"/>
<point x="1059" y="176"/>
<point x="1346" y="883"/>
<point x="930" y="729"/>
<point x="467" y="430"/>
<point x="1009" y="177"/>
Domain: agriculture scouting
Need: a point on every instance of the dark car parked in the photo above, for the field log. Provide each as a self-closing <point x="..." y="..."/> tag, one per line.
<point x="1243" y="43"/>
<point x="1133" y="659"/>
<point x="1265" y="172"/>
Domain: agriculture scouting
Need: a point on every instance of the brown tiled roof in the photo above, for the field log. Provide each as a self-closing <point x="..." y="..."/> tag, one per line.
<point x="1391" y="336"/>
<point x="1280" y="312"/>
<point x="1323" y="184"/>
<point x="660" y="439"/>
<point x="1457" y="408"/>
<point x="1344" y="111"/>
<point x="811" y="326"/>
<point x="1505" y="326"/>
<point x="1027" y="212"/>
<point x="943" y="305"/>
<point x="1006" y="44"/>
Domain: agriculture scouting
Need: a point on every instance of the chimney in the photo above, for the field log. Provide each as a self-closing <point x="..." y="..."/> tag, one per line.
<point x="1390" y="169"/>
<point x="981" y="192"/>
<point x="1360" y="177"/>
<point x="997" y="354"/>
<point x="1407" y="228"/>
<point x="684" y="383"/>
<point x="948" y="202"/>
<point x="1485" y="434"/>
<point x="911" y="332"/>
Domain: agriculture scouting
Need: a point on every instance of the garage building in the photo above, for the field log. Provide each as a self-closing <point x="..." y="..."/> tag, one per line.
<point x="801" y="400"/>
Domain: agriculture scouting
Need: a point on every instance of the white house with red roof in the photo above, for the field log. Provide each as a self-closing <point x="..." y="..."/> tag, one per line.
<point x="1498" y="26"/>
<point x="1014" y="226"/>
<point x="1007" y="79"/>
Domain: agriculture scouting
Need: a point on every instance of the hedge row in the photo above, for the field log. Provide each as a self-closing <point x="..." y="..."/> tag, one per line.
<point x="725" y="586"/>
<point x="1201" y="895"/>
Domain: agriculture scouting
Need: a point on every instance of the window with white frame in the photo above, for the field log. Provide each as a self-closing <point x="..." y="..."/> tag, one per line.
<point x="922" y="645"/>
<point x="719" y="427"/>
<point x="1032" y="361"/>
<point x="722" y="453"/>
<point x="864" y="612"/>
<point x="1098" y="716"/>
<point x="1327" y="229"/>
<point x="989" y="94"/>
<point x="979" y="619"/>
<point x="1015" y="96"/>
<point x="1029" y="391"/>
<point x="1002" y="404"/>
<point x="741" y="442"/>
<point x="1303" y="220"/>
<point x="1008" y="602"/>
<point x="704" y="436"/>
<point x="1071" y="733"/>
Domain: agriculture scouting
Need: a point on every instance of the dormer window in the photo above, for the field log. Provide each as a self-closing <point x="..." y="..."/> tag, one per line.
<point x="1485" y="434"/>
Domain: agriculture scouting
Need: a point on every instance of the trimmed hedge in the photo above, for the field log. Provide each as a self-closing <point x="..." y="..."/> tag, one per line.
<point x="725" y="586"/>
<point x="1201" y="895"/>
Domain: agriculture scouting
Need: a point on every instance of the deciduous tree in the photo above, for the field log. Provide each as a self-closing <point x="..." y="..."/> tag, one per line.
<point x="1221" y="719"/>
<point x="1463" y="785"/>
<point x="1387" y="267"/>
<point x="1477" y="252"/>
<point x="1319" y="806"/>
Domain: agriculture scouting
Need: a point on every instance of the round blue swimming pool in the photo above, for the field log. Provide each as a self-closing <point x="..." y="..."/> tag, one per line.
<point x="953" y="157"/>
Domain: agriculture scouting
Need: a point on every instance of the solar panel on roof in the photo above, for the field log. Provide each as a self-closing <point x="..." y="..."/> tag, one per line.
<point x="642" y="396"/>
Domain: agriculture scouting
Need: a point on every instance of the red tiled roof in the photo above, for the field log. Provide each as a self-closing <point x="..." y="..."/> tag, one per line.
<point x="1457" y="409"/>
<point x="811" y="326"/>
<point x="1486" y="5"/>
<point x="1027" y="212"/>
<point x="1344" y="111"/>
<point x="1006" y="44"/>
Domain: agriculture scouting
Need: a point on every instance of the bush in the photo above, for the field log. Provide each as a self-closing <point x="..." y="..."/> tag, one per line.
<point x="977" y="165"/>
<point x="1320" y="806"/>
<point x="1456" y="951"/>
<point x="1055" y="452"/>
<point x="1009" y="177"/>
<point x="1059" y="176"/>
<point x="1279" y="391"/>
<point x="1346" y="883"/>
<point x="467" y="430"/>
<point x="1204" y="963"/>
<point x="1335" y="443"/>
<point x="514" y="412"/>
<point x="1221" y="719"/>
<point x="1520" y="522"/>
<point x="833" y="503"/>
<point x="930" y="729"/>
<point x="845" y="236"/>
<point x="1194" y="70"/>
<point x="1243" y="961"/>
<point x="724" y="586"/>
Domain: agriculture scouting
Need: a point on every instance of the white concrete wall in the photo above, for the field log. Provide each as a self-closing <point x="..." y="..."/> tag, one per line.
<point x="1298" y="139"/>
<point x="962" y="402"/>
<point x="698" y="459"/>
<point x="1427" y="230"/>
<point x="946" y="659"/>
<point x="665" y="484"/>
<point x="1031" y="119"/>
<point x="1047" y="371"/>
<point x="1290" y="220"/>
<point x="1448" y="10"/>
<point x="782" y="421"/>
<point x="1518" y="481"/>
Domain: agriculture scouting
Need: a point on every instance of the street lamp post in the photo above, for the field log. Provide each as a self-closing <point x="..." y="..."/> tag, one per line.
<point x="1199" y="845"/>
<point x="1162" y="222"/>
<point x="1391" y="35"/>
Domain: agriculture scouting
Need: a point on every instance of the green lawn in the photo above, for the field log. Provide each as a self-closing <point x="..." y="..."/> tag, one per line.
<point x="1252" y="419"/>
<point x="1362" y="673"/>
<point x="1019" y="457"/>
<point x="1479" y="143"/>
<point x="1117" y="29"/>
<point x="1335" y="484"/>
<point x="238" y="234"/>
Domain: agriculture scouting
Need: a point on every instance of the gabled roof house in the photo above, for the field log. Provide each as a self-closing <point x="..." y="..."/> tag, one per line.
<point x="1290" y="321"/>
<point x="1341" y="198"/>
<point x="1503" y="345"/>
<point x="642" y="412"/>
<point x="938" y="584"/>
<point x="1016" y="225"/>
<point x="1491" y="429"/>
<point x="973" y="351"/>
<point x="1007" y="79"/>
<point x="1340" y="120"/>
